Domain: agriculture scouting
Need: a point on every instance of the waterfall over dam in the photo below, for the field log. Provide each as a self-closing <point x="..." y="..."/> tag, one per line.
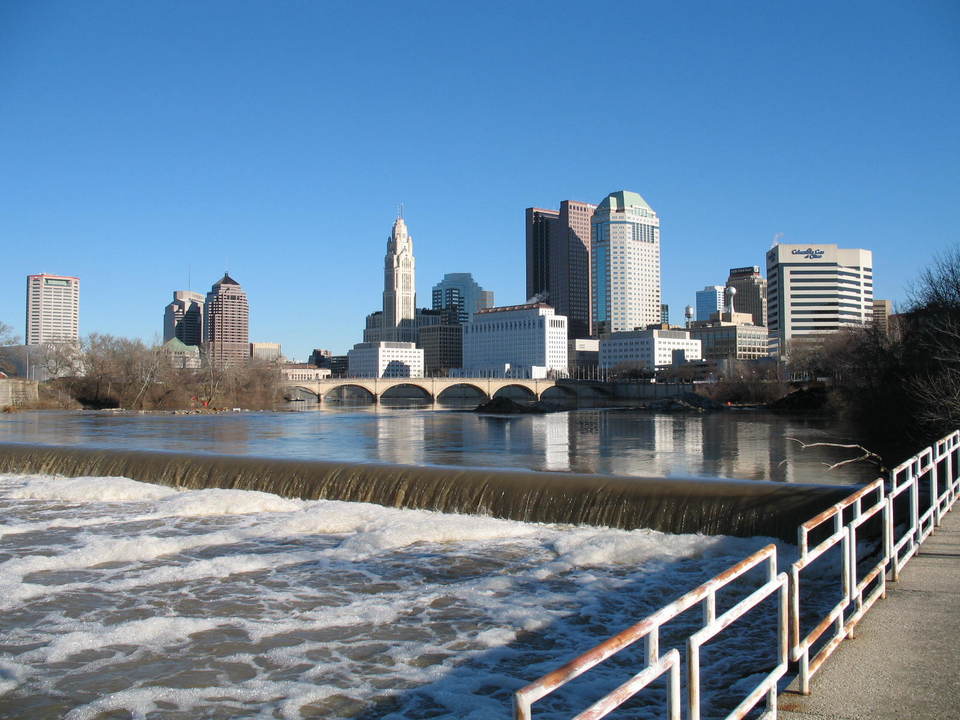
<point x="676" y="505"/>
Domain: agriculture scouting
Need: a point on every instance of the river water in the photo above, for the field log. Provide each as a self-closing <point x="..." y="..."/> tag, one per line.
<point x="120" y="599"/>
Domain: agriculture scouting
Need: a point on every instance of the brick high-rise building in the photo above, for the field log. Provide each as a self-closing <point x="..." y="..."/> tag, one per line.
<point x="558" y="250"/>
<point x="53" y="309"/>
<point x="226" y="323"/>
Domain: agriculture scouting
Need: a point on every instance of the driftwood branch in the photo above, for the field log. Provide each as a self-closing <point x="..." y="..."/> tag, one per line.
<point x="868" y="455"/>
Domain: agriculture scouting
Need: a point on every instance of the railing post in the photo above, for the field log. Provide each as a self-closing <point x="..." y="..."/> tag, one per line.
<point x="935" y="487"/>
<point x="693" y="680"/>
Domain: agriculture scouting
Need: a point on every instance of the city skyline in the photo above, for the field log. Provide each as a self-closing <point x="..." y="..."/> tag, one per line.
<point x="169" y="155"/>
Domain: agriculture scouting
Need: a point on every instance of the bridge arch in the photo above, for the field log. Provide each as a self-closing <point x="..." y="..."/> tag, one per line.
<point x="298" y="392"/>
<point x="394" y="392"/>
<point x="462" y="391"/>
<point x="340" y="387"/>
<point x="516" y="391"/>
<point x="559" y="392"/>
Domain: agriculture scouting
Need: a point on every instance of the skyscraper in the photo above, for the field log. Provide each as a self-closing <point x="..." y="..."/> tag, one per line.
<point x="461" y="291"/>
<point x="816" y="289"/>
<point x="53" y="309"/>
<point x="751" y="289"/>
<point x="226" y="323"/>
<point x="399" y="277"/>
<point x="709" y="301"/>
<point x="183" y="318"/>
<point x="625" y="264"/>
<point x="558" y="262"/>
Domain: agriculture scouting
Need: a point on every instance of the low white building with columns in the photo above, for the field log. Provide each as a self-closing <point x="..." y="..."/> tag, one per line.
<point x="524" y="341"/>
<point x="385" y="359"/>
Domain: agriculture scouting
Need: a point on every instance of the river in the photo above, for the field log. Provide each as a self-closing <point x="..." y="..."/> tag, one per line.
<point x="120" y="599"/>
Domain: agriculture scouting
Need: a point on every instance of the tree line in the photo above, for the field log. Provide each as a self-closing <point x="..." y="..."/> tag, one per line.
<point x="105" y="371"/>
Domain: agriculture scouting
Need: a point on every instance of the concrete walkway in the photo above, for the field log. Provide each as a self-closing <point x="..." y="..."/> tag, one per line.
<point x="904" y="662"/>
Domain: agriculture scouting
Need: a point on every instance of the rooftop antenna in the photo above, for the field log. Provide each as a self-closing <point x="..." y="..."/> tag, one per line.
<point x="401" y="209"/>
<point x="189" y="285"/>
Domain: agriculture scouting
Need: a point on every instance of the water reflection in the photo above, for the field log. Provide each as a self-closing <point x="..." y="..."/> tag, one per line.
<point x="749" y="445"/>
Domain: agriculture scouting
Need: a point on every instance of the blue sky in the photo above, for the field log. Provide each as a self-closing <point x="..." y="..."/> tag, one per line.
<point x="145" y="143"/>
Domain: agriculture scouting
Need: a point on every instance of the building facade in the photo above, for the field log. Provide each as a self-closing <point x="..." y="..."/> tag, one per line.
<point x="399" y="277"/>
<point x="303" y="372"/>
<point x="813" y="290"/>
<point x="649" y="349"/>
<point x="386" y="360"/>
<point x="709" y="301"/>
<point x="53" y="309"/>
<point x="460" y="292"/>
<point x="730" y="341"/>
<point x="882" y="310"/>
<point x="226" y="323"/>
<point x="558" y="251"/>
<point x="583" y="354"/>
<point x="515" y="341"/>
<point x="180" y="355"/>
<point x="751" y="289"/>
<point x="442" y="347"/>
<point x="183" y="318"/>
<point x="268" y="352"/>
<point x="625" y="264"/>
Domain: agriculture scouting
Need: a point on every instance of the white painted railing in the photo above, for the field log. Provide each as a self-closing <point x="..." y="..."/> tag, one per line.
<point x="649" y="629"/>
<point x="929" y="485"/>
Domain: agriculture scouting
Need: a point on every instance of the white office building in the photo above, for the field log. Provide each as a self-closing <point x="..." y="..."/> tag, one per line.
<point x="648" y="349"/>
<point x="816" y="289"/>
<point x="524" y="341"/>
<point x="709" y="302"/>
<point x="625" y="264"/>
<point x="385" y="359"/>
<point x="53" y="309"/>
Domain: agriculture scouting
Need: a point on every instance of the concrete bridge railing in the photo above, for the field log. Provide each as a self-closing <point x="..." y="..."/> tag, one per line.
<point x="902" y="510"/>
<point x="433" y="388"/>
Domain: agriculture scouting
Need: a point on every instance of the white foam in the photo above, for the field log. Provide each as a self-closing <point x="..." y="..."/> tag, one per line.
<point x="84" y="489"/>
<point x="202" y="503"/>
<point x="153" y="632"/>
<point x="323" y="604"/>
<point x="12" y="675"/>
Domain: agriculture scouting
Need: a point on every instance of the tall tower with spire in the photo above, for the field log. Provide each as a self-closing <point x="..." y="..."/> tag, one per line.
<point x="399" y="277"/>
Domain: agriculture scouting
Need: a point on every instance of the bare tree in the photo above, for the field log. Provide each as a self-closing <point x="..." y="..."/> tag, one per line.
<point x="938" y="287"/>
<point x="7" y="336"/>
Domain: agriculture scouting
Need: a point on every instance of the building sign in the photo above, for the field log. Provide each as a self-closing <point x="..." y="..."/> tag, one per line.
<point x="809" y="253"/>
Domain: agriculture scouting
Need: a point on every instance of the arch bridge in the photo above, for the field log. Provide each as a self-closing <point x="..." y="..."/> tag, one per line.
<point x="432" y="388"/>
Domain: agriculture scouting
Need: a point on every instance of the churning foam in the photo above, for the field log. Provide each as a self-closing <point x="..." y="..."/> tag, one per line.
<point x="119" y="595"/>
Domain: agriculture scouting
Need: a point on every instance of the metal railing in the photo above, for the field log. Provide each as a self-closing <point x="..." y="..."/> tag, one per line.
<point x="847" y="516"/>
<point x="929" y="483"/>
<point x="656" y="665"/>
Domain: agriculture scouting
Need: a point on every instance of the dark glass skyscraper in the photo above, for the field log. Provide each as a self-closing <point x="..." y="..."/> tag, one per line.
<point x="558" y="262"/>
<point x="461" y="292"/>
